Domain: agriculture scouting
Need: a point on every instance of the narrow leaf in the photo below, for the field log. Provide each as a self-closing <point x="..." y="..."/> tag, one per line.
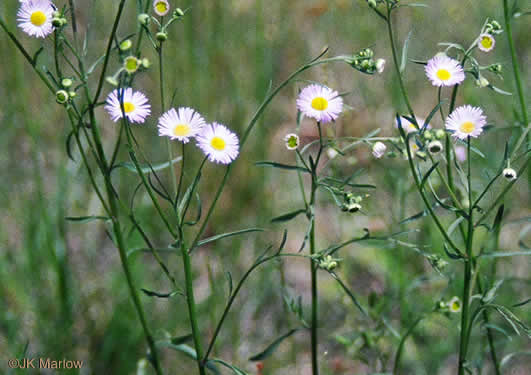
<point x="230" y="234"/>
<point x="86" y="219"/>
<point x="404" y="52"/>
<point x="288" y="216"/>
<point x="281" y="166"/>
<point x="146" y="168"/>
<point x="273" y="346"/>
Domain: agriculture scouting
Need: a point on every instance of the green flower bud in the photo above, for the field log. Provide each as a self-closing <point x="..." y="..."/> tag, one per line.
<point x="428" y="134"/>
<point x="178" y="13"/>
<point x="131" y="64"/>
<point x="125" y="45"/>
<point x="146" y="63"/>
<point x="440" y="134"/>
<point x="482" y="82"/>
<point x="143" y="19"/>
<point x="112" y="81"/>
<point x="57" y="22"/>
<point x="61" y="96"/>
<point x="72" y="94"/>
<point x="161" y="36"/>
<point x="66" y="82"/>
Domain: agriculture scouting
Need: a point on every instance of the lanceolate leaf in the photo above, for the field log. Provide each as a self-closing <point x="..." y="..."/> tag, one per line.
<point x="160" y="295"/>
<point x="288" y="216"/>
<point x="281" y="166"/>
<point x="189" y="352"/>
<point x="404" y="52"/>
<point x="273" y="346"/>
<point x="146" y="168"/>
<point x="230" y="234"/>
<point x="86" y="219"/>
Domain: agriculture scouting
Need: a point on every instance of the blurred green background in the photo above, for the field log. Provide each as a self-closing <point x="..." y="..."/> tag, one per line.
<point x="62" y="290"/>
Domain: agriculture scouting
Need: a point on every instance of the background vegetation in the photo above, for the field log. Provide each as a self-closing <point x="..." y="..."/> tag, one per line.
<point x="62" y="291"/>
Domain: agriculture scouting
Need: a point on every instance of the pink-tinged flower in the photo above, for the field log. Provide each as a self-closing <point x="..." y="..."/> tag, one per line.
<point x="136" y="105"/>
<point x="444" y="71"/>
<point x="320" y="103"/>
<point x="218" y="143"/>
<point x="466" y="121"/>
<point x="35" y="17"/>
<point x="181" y="124"/>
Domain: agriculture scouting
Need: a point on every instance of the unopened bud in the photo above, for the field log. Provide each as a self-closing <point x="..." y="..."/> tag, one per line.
<point x="434" y="147"/>
<point x="482" y="82"/>
<point x="143" y="19"/>
<point x="509" y="174"/>
<point x="61" y="96"/>
<point x="66" y="82"/>
<point x="125" y="45"/>
<point x="439" y="134"/>
<point x="161" y="36"/>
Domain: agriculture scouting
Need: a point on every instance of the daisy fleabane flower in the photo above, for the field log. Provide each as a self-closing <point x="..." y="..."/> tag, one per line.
<point x="466" y="121"/>
<point x="218" y="143"/>
<point x="136" y="105"/>
<point x="181" y="124"/>
<point x="444" y="71"/>
<point x="161" y="7"/>
<point x="486" y="42"/>
<point x="319" y="102"/>
<point x="35" y="17"/>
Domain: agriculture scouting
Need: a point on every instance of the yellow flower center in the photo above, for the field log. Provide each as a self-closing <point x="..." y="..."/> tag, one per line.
<point x="443" y="74"/>
<point x="181" y="130"/>
<point x="467" y="127"/>
<point x="455" y="306"/>
<point x="129" y="107"/>
<point x="218" y="143"/>
<point x="319" y="103"/>
<point x="486" y="42"/>
<point x="161" y="7"/>
<point x="38" y="18"/>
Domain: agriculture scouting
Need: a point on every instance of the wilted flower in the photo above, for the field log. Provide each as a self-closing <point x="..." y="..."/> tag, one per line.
<point x="509" y="174"/>
<point x="218" y="143"/>
<point x="466" y="121"/>
<point x="319" y="102"/>
<point x="378" y="149"/>
<point x="444" y="71"/>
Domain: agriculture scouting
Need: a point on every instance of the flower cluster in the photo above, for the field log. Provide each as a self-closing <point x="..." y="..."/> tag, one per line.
<point x="217" y="142"/>
<point x="365" y="63"/>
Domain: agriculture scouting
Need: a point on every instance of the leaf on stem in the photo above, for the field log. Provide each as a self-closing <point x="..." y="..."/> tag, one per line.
<point x="228" y="234"/>
<point x="288" y="216"/>
<point x="146" y="168"/>
<point x="86" y="219"/>
<point x="267" y="352"/>
<point x="281" y="166"/>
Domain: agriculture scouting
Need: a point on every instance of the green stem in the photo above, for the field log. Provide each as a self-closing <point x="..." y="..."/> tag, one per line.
<point x="400" y="349"/>
<point x="514" y="59"/>
<point x="192" y="309"/>
<point x="464" y="340"/>
<point x="397" y="65"/>
<point x="313" y="270"/>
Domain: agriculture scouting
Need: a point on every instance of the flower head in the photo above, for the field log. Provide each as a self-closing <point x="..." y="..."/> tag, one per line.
<point x="434" y="147"/>
<point x="136" y="105"/>
<point x="218" y="143"/>
<point x="486" y="42"/>
<point x="35" y="17"/>
<point x="444" y="71"/>
<point x="408" y="126"/>
<point x="319" y="102"/>
<point x="378" y="149"/>
<point x="161" y="7"/>
<point x="181" y="124"/>
<point x="454" y="305"/>
<point x="466" y="121"/>
<point x="292" y="141"/>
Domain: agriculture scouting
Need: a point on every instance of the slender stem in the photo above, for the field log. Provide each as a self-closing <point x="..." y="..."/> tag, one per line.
<point x="399" y="351"/>
<point x="313" y="270"/>
<point x="397" y="65"/>
<point x="464" y="340"/>
<point x="192" y="309"/>
<point x="514" y="59"/>
<point x="173" y="177"/>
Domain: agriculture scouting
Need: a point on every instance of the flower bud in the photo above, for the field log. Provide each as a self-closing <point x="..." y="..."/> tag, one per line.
<point x="161" y="36"/>
<point x="372" y="3"/>
<point x="143" y="19"/>
<point x="131" y="64"/>
<point x="509" y="174"/>
<point x="112" y="81"/>
<point x="378" y="149"/>
<point x="454" y="305"/>
<point x="125" y="45"/>
<point x="380" y="65"/>
<point x="434" y="147"/>
<point x="495" y="68"/>
<point x="72" y="94"/>
<point x="439" y="134"/>
<point x="291" y="141"/>
<point x="66" y="82"/>
<point x="61" y="96"/>
<point x="428" y="135"/>
<point x="482" y="82"/>
<point x="146" y="63"/>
